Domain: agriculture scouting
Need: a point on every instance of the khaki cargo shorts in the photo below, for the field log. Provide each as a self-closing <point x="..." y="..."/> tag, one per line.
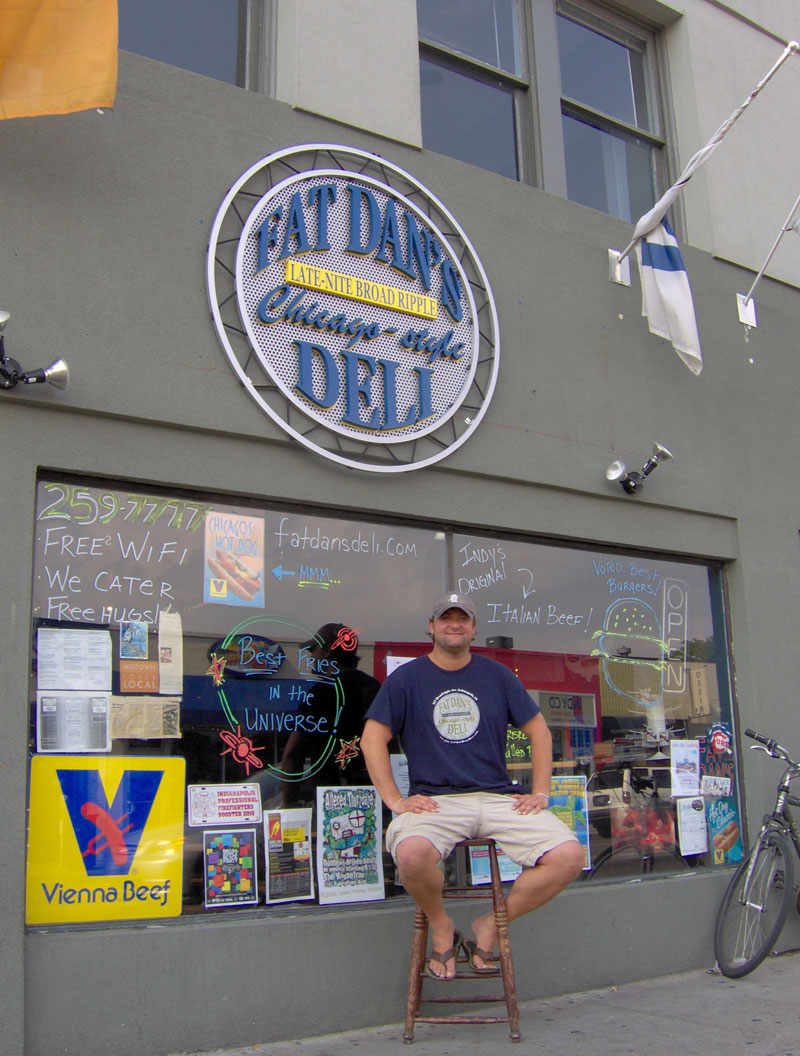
<point x="469" y="815"/>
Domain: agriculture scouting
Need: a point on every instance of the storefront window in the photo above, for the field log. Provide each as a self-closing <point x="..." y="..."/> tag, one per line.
<point x="201" y="669"/>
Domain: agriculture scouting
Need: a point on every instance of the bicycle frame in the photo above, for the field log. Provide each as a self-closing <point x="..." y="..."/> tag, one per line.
<point x="779" y="819"/>
<point x="758" y="897"/>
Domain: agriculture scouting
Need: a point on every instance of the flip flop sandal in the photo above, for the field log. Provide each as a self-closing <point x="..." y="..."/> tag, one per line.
<point x="472" y="951"/>
<point x="443" y="958"/>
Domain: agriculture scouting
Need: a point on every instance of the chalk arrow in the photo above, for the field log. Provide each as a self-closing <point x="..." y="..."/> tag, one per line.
<point x="279" y="572"/>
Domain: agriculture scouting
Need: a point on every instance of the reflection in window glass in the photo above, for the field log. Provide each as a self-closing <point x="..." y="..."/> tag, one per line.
<point x="468" y="118"/>
<point x="602" y="73"/>
<point x="248" y="643"/>
<point x="197" y="35"/>
<point x="626" y="658"/>
<point x="483" y="29"/>
<point x="608" y="170"/>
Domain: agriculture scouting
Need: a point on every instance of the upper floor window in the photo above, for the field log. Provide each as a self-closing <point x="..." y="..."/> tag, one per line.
<point x="558" y="94"/>
<point x="222" y="39"/>
<point x="470" y="75"/>
<point x="608" y="115"/>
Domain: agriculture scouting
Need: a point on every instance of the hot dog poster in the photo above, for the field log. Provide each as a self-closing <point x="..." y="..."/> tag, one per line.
<point x="234" y="559"/>
<point x="724" y="830"/>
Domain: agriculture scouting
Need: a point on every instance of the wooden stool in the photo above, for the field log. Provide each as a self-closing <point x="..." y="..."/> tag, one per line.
<point x="419" y="944"/>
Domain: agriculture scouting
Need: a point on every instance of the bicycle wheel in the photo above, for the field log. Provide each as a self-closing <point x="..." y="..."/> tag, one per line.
<point x="749" y="922"/>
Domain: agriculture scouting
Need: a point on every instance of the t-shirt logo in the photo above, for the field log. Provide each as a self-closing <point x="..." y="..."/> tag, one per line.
<point x="456" y="715"/>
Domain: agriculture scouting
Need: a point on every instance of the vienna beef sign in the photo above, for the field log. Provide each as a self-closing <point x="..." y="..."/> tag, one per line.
<point x="353" y="308"/>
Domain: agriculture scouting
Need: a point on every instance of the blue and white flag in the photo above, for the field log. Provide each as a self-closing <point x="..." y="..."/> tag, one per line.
<point x="666" y="295"/>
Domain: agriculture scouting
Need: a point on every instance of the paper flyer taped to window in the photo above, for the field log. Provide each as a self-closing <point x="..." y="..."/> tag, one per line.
<point x="71" y="721"/>
<point x="712" y="785"/>
<point x="349" y="853"/>
<point x="170" y="654"/>
<point x="399" y="764"/>
<point x="685" y="766"/>
<point x="145" y="718"/>
<point x="692" y="828"/>
<point x="223" y="804"/>
<point x="287" y="848"/>
<point x="73" y="659"/>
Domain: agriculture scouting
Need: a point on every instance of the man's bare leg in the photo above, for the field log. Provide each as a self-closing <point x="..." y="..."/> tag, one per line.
<point x="418" y="867"/>
<point x="535" y="886"/>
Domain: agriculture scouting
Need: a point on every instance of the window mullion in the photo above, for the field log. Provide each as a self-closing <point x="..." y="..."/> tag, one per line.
<point x="470" y="65"/>
<point x="543" y="36"/>
<point x="602" y="120"/>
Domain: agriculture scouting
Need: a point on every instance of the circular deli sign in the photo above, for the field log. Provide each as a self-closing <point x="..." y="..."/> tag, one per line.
<point x="353" y="308"/>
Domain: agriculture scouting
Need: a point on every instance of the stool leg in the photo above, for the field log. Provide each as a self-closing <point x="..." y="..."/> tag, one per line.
<point x="504" y="948"/>
<point x="419" y="944"/>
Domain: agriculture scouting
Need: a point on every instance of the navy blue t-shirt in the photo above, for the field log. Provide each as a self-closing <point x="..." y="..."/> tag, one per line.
<point x="453" y="724"/>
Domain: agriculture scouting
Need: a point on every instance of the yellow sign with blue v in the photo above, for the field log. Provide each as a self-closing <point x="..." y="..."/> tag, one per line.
<point x="105" y="838"/>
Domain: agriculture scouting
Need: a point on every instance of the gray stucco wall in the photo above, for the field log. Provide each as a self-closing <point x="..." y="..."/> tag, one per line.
<point x="105" y="226"/>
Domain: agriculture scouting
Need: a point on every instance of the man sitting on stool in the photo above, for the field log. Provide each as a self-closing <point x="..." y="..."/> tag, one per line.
<point x="451" y="710"/>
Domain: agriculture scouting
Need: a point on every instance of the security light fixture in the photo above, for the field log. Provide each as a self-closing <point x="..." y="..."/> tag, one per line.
<point x="11" y="373"/>
<point x="634" y="482"/>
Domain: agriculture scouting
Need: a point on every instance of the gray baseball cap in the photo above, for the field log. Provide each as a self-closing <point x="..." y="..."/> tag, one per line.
<point x="452" y="601"/>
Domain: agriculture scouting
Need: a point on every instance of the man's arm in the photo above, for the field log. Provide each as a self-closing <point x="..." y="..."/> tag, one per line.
<point x="538" y="733"/>
<point x="375" y="747"/>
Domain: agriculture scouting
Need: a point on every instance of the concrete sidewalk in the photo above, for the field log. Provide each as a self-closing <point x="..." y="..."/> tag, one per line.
<point x="692" y="1014"/>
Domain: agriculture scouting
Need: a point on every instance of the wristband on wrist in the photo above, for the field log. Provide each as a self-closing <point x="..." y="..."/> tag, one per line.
<point x="542" y="794"/>
<point x="397" y="802"/>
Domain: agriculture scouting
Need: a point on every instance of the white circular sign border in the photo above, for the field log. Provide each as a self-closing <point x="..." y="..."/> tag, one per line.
<point x="334" y="149"/>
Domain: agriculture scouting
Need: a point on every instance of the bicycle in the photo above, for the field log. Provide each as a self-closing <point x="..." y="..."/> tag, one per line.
<point x="756" y="903"/>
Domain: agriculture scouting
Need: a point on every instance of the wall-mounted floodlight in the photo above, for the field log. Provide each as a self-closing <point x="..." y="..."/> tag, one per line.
<point x="11" y="373"/>
<point x="632" y="482"/>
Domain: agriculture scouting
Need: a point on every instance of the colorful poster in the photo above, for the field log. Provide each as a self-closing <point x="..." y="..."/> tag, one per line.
<point x="223" y="804"/>
<point x="724" y="830"/>
<point x="133" y="639"/>
<point x="349" y="859"/>
<point x="568" y="802"/>
<point x="105" y="838"/>
<point x="234" y="559"/>
<point x="231" y="870"/>
<point x="287" y="845"/>
<point x="480" y="869"/>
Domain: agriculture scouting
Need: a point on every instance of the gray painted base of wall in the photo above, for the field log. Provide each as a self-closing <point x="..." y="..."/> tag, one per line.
<point x="203" y="985"/>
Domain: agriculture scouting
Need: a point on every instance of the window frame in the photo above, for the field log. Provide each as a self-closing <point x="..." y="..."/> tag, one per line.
<point x="520" y="84"/>
<point x="538" y="98"/>
<point x="255" y="32"/>
<point x="636" y="36"/>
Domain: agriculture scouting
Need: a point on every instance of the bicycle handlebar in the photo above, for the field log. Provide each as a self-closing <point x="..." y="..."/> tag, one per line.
<point x="777" y="751"/>
<point x="769" y="742"/>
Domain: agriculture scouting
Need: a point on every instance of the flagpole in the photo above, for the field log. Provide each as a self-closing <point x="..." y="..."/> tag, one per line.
<point x="786" y="227"/>
<point x="661" y="206"/>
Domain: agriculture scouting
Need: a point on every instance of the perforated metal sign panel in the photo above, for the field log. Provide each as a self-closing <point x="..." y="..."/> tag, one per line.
<point x="353" y="308"/>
